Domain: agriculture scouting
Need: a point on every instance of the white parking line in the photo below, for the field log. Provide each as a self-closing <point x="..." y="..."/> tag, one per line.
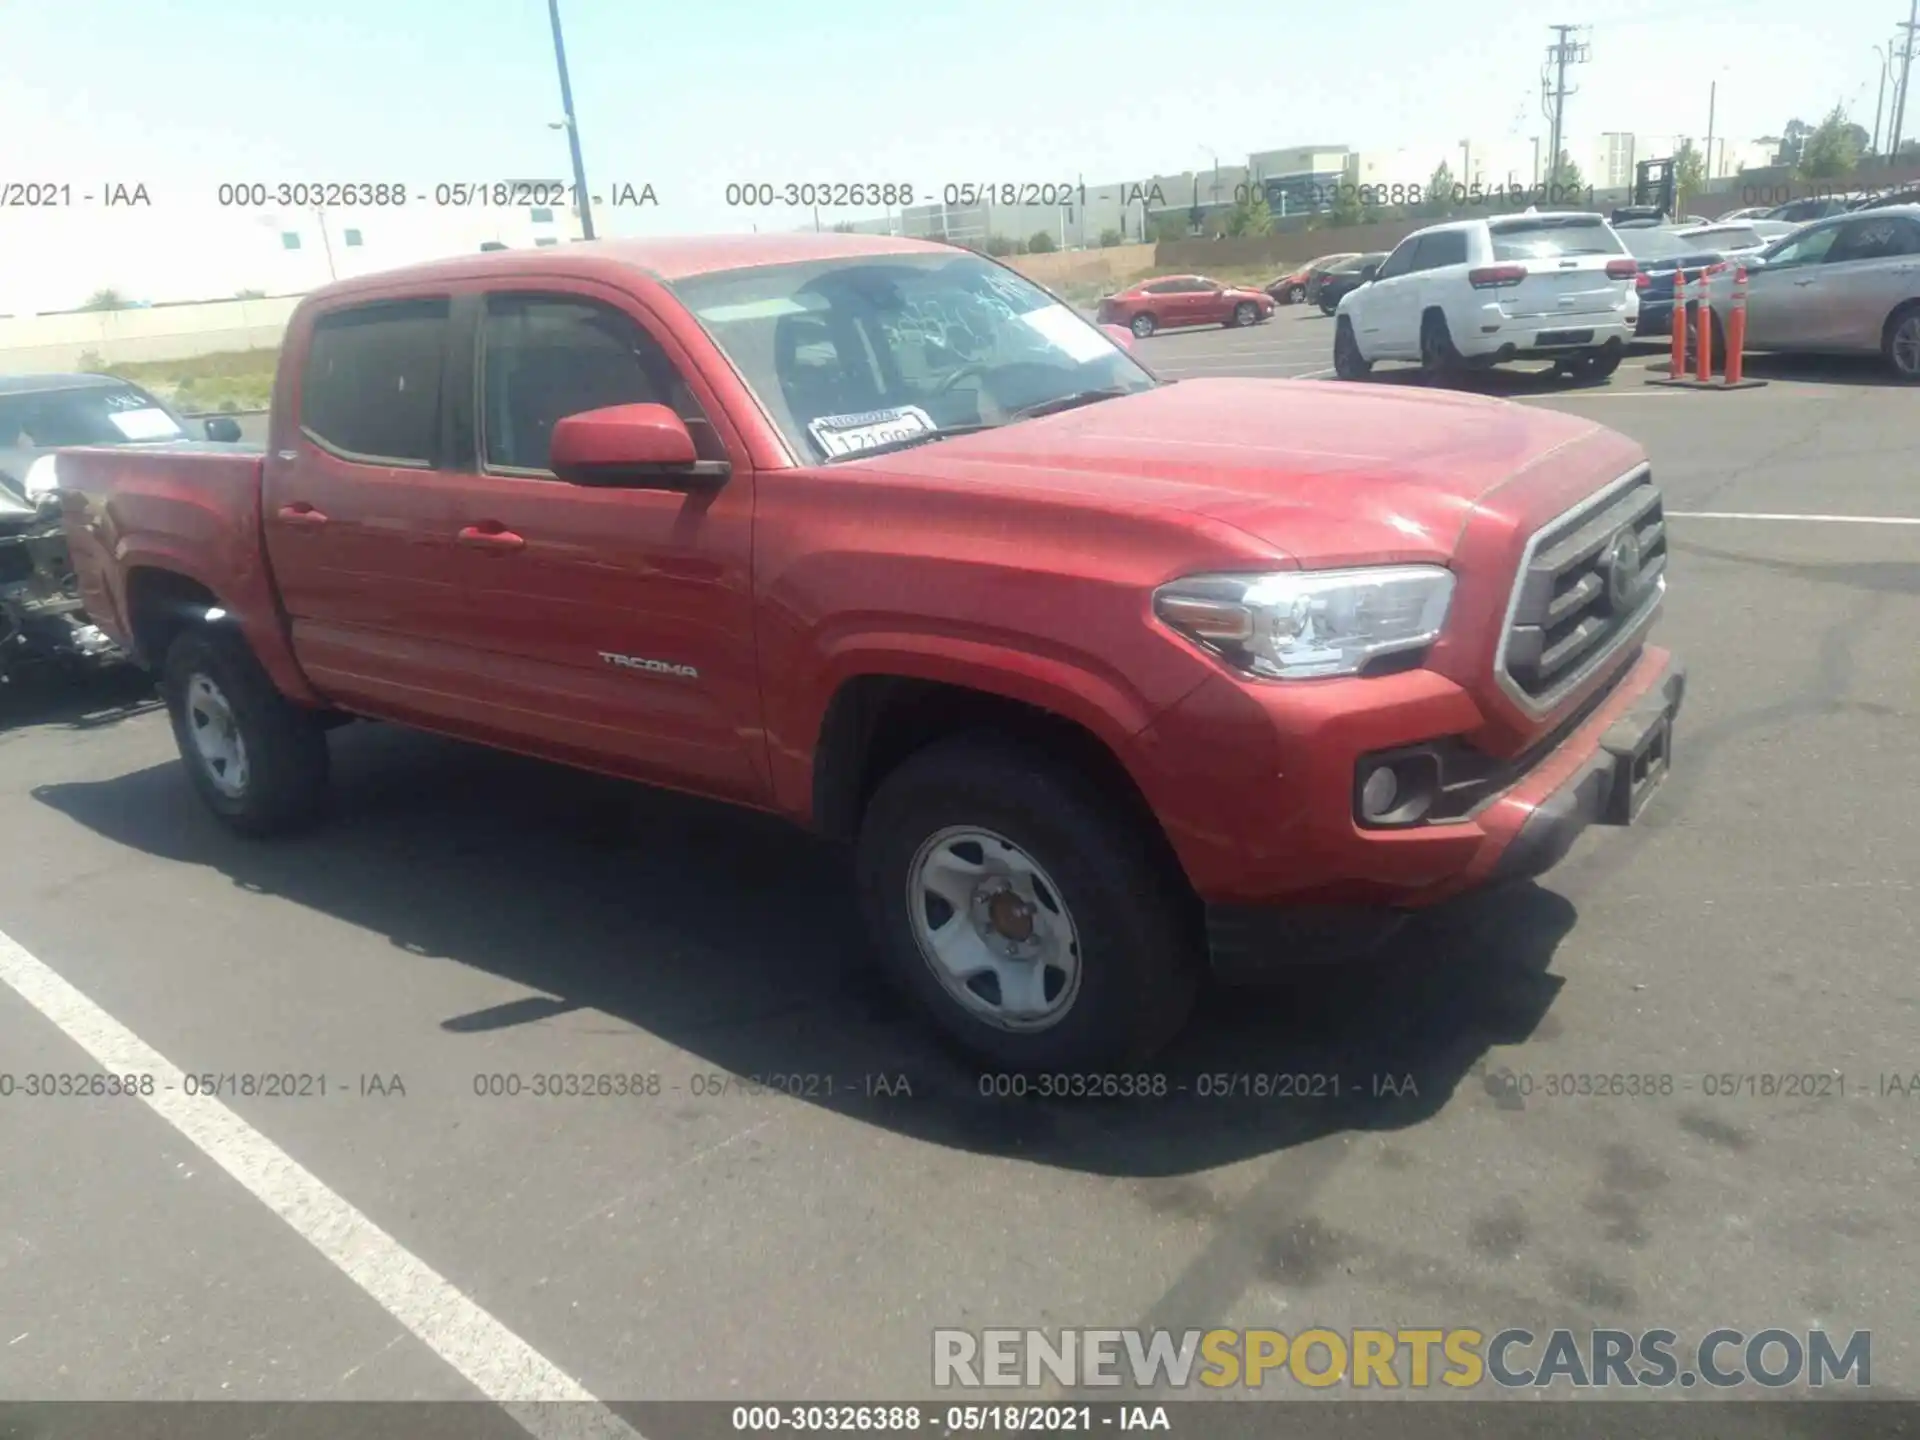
<point x="493" y="1359"/>
<point x="1815" y="519"/>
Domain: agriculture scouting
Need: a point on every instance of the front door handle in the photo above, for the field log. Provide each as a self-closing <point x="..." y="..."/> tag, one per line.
<point x="302" y="514"/>
<point x="491" y="537"/>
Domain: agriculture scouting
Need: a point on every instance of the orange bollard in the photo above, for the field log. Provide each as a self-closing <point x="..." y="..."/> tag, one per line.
<point x="1737" y="325"/>
<point x="1703" y="329"/>
<point x="1679" y="365"/>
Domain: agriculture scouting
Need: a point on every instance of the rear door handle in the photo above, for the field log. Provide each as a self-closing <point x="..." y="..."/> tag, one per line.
<point x="491" y="537"/>
<point x="303" y="514"/>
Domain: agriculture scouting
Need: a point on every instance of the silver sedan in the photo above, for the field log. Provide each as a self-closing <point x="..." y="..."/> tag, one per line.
<point x="1848" y="284"/>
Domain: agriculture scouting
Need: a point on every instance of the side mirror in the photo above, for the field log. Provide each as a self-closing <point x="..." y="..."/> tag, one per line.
<point x="223" y="428"/>
<point x="641" y="447"/>
<point x="1120" y="335"/>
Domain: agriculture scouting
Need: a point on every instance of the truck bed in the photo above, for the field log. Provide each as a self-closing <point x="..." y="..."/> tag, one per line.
<point x="189" y="507"/>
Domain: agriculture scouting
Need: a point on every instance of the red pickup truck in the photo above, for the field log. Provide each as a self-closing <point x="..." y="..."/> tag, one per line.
<point x="1104" y="679"/>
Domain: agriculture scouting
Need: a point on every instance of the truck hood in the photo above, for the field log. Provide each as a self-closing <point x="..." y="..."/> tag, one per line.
<point x="1328" y="474"/>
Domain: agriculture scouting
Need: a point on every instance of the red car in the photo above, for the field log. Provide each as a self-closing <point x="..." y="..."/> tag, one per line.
<point x="1292" y="289"/>
<point x="1100" y="680"/>
<point x="1174" y="301"/>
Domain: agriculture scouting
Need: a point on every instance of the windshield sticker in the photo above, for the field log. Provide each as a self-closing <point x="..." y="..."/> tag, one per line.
<point x="147" y="424"/>
<point x="1064" y="330"/>
<point x="768" y="309"/>
<point x="849" y="434"/>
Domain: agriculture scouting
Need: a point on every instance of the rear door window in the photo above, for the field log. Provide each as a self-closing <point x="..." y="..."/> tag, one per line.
<point x="371" y="387"/>
<point x="1551" y="237"/>
<point x="1449" y="247"/>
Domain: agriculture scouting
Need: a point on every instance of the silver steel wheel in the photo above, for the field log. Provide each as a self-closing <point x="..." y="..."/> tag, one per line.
<point x="1906" y="347"/>
<point x="216" y="737"/>
<point x="993" y="929"/>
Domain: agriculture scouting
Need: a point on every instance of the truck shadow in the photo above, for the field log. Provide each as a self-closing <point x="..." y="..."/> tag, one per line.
<point x="736" y="939"/>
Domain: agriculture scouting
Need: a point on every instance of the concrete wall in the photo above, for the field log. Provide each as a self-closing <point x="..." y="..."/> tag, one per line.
<point x="171" y="332"/>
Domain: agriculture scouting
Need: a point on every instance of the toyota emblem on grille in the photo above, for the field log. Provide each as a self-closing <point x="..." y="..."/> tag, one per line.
<point x="1623" y="569"/>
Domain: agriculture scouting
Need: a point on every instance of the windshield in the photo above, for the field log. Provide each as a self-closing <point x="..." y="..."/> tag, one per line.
<point x="89" y="415"/>
<point x="881" y="350"/>
<point x="1547" y="236"/>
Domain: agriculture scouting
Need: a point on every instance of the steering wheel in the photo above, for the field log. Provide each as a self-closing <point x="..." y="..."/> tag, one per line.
<point x="954" y="377"/>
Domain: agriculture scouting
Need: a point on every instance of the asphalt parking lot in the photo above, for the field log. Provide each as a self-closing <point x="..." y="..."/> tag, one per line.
<point x="467" y="915"/>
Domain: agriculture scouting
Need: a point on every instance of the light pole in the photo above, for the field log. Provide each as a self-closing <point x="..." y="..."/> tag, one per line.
<point x="1536" y="158"/>
<point x="1906" y="74"/>
<point x="571" y="124"/>
<point x="1880" y="105"/>
<point x="1466" y="162"/>
<point x="325" y="243"/>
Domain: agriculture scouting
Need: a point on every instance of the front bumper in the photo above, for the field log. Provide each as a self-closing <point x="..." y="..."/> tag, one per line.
<point x="1601" y="772"/>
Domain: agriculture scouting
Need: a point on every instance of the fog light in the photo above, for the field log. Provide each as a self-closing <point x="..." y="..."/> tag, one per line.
<point x="1378" y="795"/>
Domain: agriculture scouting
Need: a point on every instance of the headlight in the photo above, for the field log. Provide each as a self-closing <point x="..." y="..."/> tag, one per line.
<point x="1300" y="625"/>
<point x="41" y="478"/>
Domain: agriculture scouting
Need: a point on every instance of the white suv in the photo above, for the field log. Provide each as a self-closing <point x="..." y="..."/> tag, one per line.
<point x="1472" y="293"/>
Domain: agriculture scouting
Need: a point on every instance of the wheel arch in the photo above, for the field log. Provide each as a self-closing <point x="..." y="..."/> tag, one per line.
<point x="875" y="721"/>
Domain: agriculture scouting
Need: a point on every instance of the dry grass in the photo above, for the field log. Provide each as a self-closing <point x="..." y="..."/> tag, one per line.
<point x="229" y="380"/>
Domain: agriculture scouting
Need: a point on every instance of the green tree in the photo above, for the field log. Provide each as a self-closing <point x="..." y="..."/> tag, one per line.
<point x="1250" y="215"/>
<point x="997" y="245"/>
<point x="1829" y="151"/>
<point x="107" y="299"/>
<point x="1347" y="209"/>
<point x="1566" y="181"/>
<point x="1110" y="238"/>
<point x="1041" y="243"/>
<point x="1440" y="185"/>
<point x="1689" y="175"/>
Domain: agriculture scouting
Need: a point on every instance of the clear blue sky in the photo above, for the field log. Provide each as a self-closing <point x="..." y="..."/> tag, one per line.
<point x="183" y="94"/>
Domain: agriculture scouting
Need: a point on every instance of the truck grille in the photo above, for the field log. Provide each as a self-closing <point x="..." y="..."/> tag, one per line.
<point x="1586" y="580"/>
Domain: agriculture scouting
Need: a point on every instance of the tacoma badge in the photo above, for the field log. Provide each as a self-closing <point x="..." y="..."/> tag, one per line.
<point x="652" y="667"/>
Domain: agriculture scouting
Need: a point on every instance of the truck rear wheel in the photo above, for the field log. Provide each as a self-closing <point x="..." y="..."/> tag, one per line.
<point x="1022" y="911"/>
<point x="258" y="761"/>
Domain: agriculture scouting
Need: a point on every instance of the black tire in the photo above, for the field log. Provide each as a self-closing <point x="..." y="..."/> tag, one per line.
<point x="1900" y="342"/>
<point x="1143" y="325"/>
<point x="1245" y="313"/>
<point x="1137" y="955"/>
<point x="285" y="747"/>
<point x="1329" y="307"/>
<point x="1593" y="365"/>
<point x="1719" y="333"/>
<point x="1439" y="360"/>
<point x="1348" y="362"/>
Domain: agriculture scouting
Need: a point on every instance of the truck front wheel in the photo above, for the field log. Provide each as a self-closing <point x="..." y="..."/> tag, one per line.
<point x="1022" y="912"/>
<point x="257" y="760"/>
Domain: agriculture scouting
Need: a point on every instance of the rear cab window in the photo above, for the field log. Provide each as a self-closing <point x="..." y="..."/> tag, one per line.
<point x="1547" y="237"/>
<point x="370" y="390"/>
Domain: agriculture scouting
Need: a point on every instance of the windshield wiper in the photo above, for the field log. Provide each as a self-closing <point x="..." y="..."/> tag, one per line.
<point x="1068" y="402"/>
<point x="907" y="442"/>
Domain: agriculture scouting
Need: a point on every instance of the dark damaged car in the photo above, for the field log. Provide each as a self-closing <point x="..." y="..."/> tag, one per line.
<point x="43" y="622"/>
